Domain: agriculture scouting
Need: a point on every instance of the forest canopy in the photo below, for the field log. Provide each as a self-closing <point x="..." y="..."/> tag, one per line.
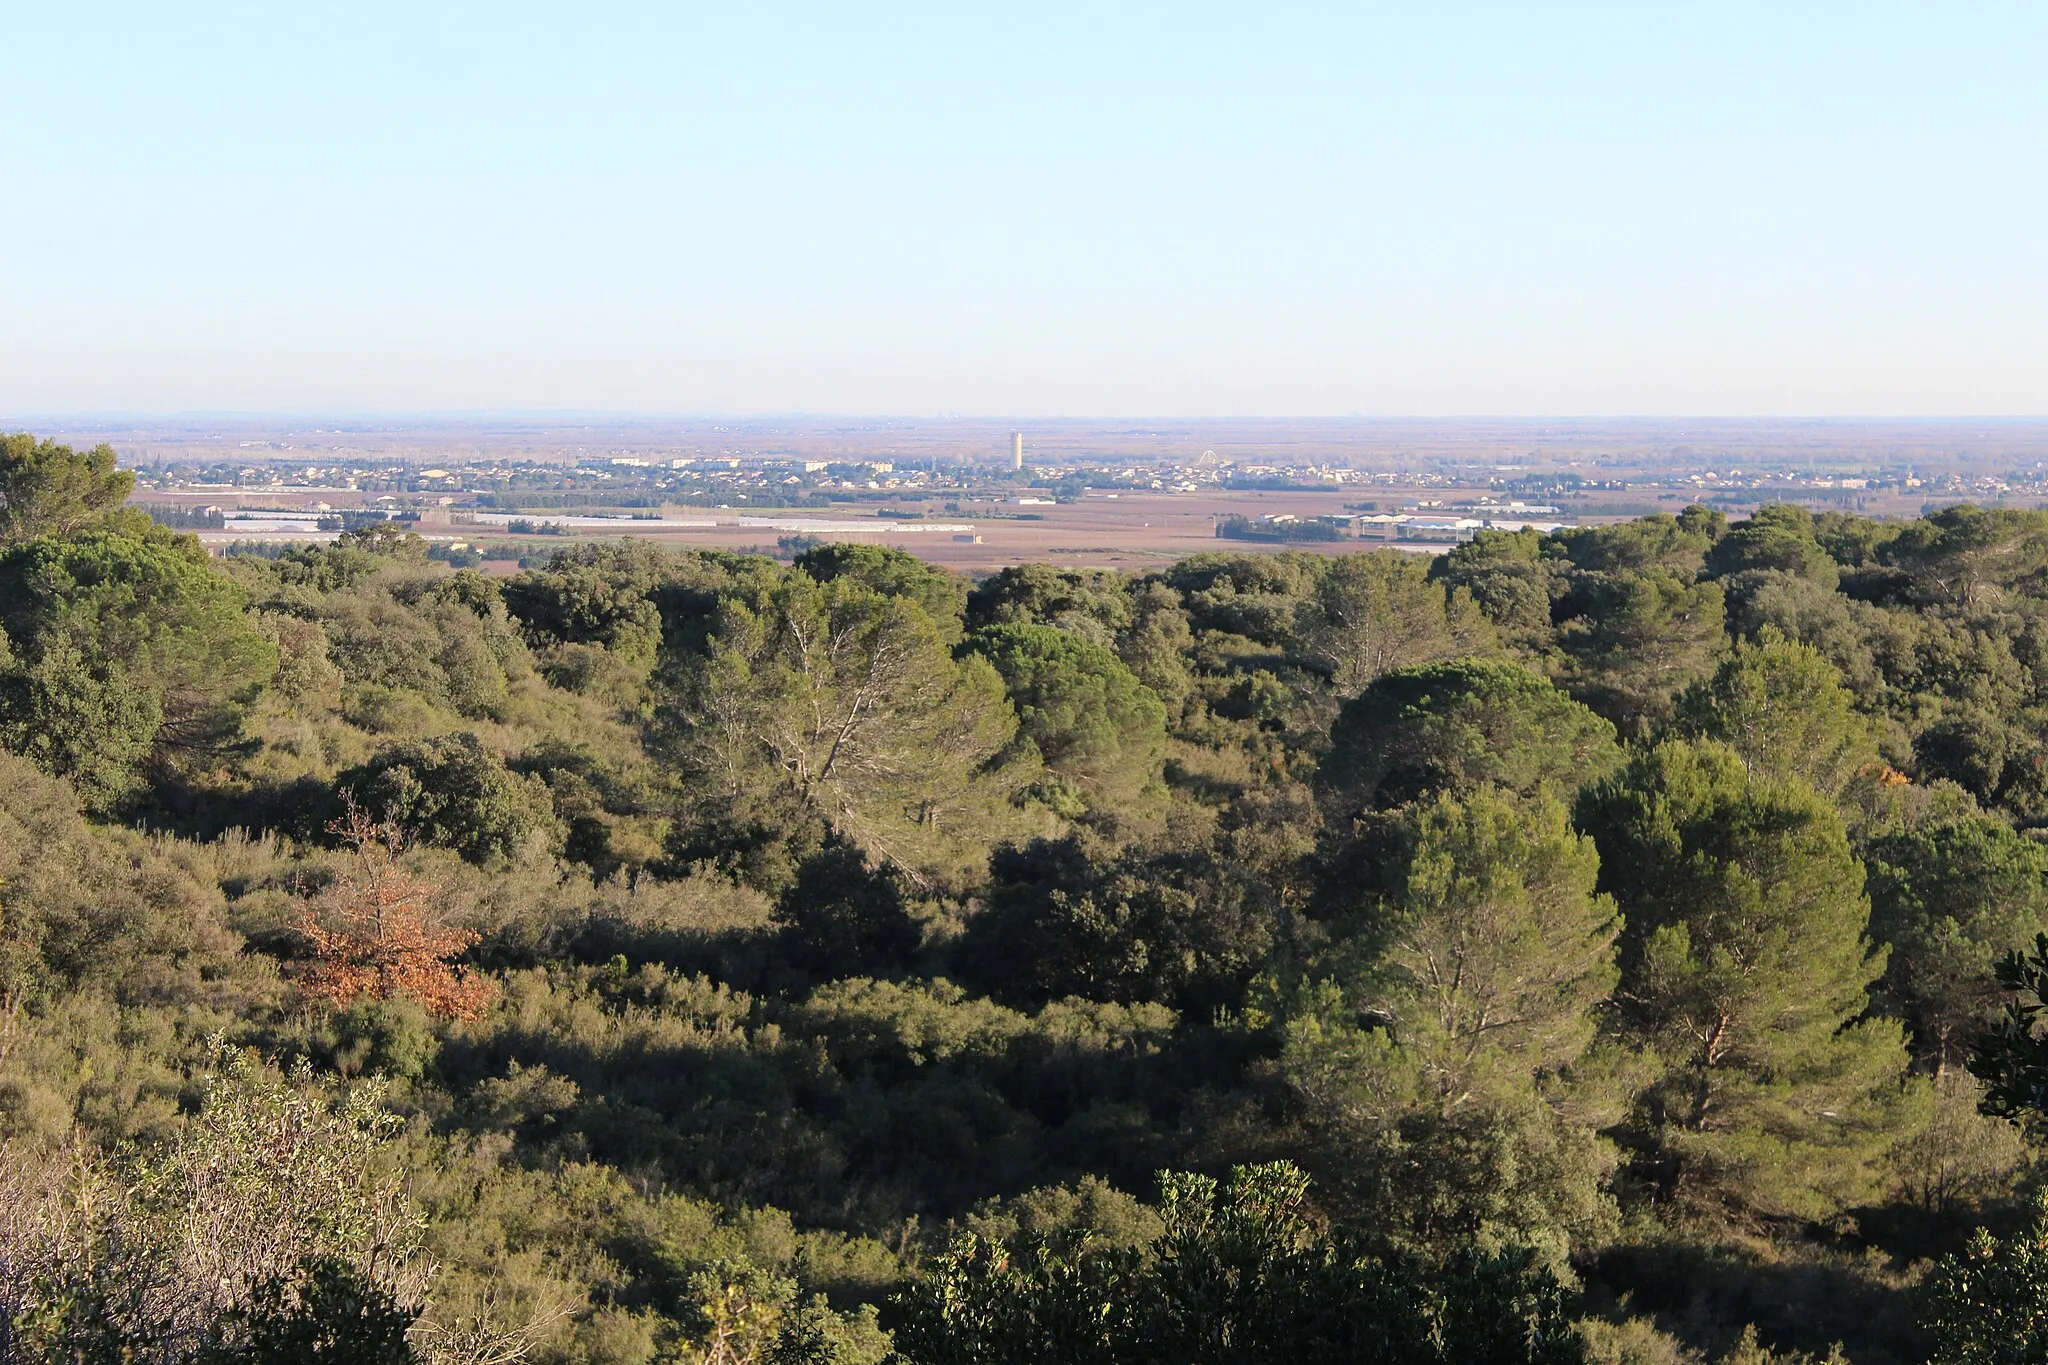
<point x="1617" y="945"/>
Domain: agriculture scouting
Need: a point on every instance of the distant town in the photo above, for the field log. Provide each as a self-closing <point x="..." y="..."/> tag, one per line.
<point x="976" y="495"/>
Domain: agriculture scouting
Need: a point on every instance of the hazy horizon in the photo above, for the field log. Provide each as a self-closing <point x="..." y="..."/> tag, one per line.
<point x="1000" y="418"/>
<point x="650" y="416"/>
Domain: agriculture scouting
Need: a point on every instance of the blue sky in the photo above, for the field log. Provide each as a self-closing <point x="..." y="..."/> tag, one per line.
<point x="1161" y="209"/>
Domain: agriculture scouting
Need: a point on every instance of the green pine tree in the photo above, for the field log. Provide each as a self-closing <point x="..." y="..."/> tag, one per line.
<point x="1782" y="707"/>
<point x="1745" y="971"/>
<point x="1436" y="1047"/>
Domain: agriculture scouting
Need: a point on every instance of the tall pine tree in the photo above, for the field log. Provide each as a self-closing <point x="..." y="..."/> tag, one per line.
<point x="1782" y="706"/>
<point x="1436" y="1045"/>
<point x="1745" y="970"/>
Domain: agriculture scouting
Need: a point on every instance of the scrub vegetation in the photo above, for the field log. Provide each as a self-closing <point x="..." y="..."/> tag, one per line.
<point x="1620" y="945"/>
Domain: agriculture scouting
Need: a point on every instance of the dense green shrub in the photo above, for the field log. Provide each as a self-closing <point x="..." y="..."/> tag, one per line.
<point x="454" y="793"/>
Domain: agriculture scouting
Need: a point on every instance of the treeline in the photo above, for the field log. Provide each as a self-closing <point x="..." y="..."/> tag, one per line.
<point x="1236" y="527"/>
<point x="1577" y="947"/>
